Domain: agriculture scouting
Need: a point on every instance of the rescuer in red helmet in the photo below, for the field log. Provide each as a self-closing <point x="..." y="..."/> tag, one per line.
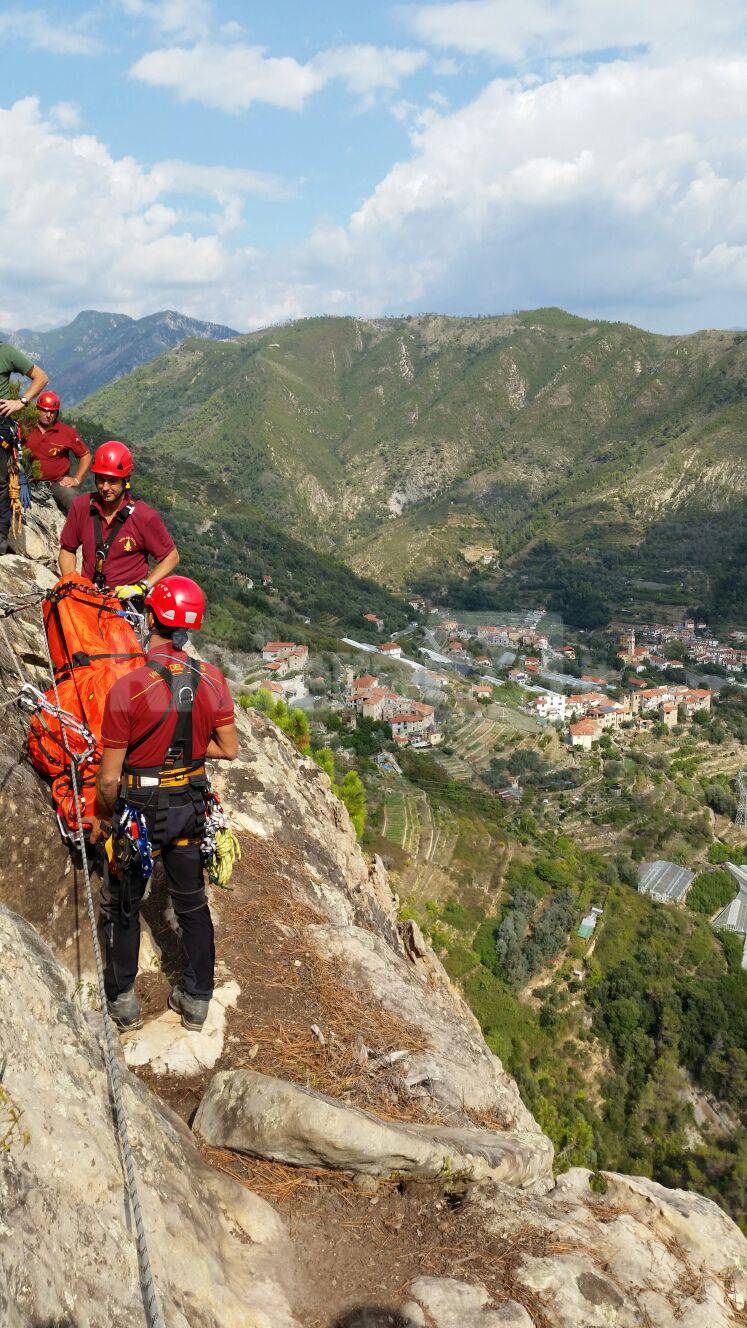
<point x="160" y="724"/>
<point x="118" y="534"/>
<point x="12" y="361"/>
<point x="52" y="443"/>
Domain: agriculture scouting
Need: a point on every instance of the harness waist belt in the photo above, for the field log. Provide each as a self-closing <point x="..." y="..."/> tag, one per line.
<point x="168" y="779"/>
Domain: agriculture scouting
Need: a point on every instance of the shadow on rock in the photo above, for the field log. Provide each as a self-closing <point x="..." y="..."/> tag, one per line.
<point x="373" y="1316"/>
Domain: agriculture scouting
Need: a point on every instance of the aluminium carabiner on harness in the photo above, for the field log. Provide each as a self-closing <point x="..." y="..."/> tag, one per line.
<point x="131" y="846"/>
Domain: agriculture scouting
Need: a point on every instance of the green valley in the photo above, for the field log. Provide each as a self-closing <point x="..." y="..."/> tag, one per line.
<point x="503" y="456"/>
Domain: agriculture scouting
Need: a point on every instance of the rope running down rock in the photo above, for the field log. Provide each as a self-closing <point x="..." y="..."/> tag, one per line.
<point x="150" y="1296"/>
<point x="28" y="691"/>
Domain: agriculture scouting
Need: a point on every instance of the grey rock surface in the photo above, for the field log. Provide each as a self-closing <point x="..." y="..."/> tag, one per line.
<point x="458" y="1070"/>
<point x="453" y="1304"/>
<point x="220" y="1254"/>
<point x="272" y="1118"/>
<point x="638" y="1254"/>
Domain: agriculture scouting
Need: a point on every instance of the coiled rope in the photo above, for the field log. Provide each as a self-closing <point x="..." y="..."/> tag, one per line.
<point x="150" y="1296"/>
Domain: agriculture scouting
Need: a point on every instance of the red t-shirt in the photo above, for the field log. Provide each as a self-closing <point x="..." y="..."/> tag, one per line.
<point x="140" y="536"/>
<point x="53" y="447"/>
<point x="139" y="698"/>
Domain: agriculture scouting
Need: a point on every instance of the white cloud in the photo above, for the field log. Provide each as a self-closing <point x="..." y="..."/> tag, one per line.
<point x="618" y="191"/>
<point x="184" y="19"/>
<point x="66" y="114"/>
<point x="229" y="78"/>
<point x="218" y="181"/>
<point x="71" y="37"/>
<point x="106" y="232"/>
<point x="539" y="29"/>
<point x="365" y="69"/>
<point x="621" y="191"/>
<point x="233" y="77"/>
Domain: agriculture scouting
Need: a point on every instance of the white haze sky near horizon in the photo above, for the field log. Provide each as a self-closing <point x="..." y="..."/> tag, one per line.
<point x="469" y="157"/>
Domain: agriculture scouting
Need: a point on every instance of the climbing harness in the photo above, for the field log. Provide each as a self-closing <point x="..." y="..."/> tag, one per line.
<point x="220" y="847"/>
<point x="110" y="1040"/>
<point x="104" y="542"/>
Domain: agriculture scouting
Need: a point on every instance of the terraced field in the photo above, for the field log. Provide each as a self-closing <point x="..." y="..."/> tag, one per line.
<point x="407" y="820"/>
<point x="476" y="737"/>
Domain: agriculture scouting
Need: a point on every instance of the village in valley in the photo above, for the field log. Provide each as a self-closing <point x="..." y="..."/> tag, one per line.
<point x="453" y="722"/>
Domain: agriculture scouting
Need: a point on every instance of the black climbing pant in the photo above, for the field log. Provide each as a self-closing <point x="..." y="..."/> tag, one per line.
<point x="5" y="510"/>
<point x="121" y="899"/>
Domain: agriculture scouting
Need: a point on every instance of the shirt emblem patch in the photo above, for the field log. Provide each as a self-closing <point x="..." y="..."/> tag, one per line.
<point x="128" y="544"/>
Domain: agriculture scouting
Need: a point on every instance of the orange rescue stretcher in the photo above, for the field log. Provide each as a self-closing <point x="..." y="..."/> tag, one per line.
<point x="92" y="643"/>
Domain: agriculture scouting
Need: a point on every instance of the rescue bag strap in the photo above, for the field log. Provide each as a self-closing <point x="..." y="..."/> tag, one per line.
<point x="103" y="544"/>
<point x="80" y="660"/>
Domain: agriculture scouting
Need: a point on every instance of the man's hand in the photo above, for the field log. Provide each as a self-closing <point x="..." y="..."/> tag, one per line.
<point x="69" y="482"/>
<point x="132" y="591"/>
<point x="9" y="405"/>
<point x="100" y="829"/>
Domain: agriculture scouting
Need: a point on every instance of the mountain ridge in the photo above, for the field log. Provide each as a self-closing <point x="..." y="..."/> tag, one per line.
<point x="400" y="444"/>
<point x="97" y="347"/>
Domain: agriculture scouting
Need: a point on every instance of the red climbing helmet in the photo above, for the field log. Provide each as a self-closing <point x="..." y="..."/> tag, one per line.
<point x="177" y="602"/>
<point x="112" y="459"/>
<point x="48" y="401"/>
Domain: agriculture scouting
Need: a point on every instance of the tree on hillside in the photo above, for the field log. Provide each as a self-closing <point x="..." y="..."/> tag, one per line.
<point x="710" y="892"/>
<point x="353" y="795"/>
<point x="721" y="800"/>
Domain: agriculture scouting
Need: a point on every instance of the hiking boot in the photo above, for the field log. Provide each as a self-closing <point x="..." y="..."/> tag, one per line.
<point x="125" y="1011"/>
<point x="193" y="1009"/>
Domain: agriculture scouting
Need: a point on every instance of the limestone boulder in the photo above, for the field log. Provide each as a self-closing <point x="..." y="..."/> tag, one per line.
<point x="458" y="1070"/>
<point x="220" y="1254"/>
<point x="39" y="535"/>
<point x="272" y="1118"/>
<point x="638" y="1254"/>
<point x="453" y="1304"/>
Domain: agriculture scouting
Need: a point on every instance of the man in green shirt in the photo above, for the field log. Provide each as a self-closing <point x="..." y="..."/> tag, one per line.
<point x="16" y="361"/>
<point x="13" y="361"/>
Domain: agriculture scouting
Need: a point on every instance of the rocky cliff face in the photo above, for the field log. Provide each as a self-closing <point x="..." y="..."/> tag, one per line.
<point x="339" y="1044"/>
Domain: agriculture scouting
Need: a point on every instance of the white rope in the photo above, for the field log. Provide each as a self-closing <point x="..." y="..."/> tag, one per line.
<point x="30" y="693"/>
<point x="152" y="1308"/>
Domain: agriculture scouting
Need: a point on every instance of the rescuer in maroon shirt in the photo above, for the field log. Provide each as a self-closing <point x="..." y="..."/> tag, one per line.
<point x="51" y="443"/>
<point x="118" y="535"/>
<point x="160" y="723"/>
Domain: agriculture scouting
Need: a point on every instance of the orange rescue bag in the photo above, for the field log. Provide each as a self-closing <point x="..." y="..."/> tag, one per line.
<point x="91" y="644"/>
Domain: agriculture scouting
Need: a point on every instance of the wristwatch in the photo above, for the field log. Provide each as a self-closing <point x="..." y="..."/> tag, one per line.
<point x="24" y="401"/>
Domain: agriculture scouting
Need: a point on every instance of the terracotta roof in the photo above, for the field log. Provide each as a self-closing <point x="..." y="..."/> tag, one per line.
<point x="584" y="726"/>
<point x="366" y="680"/>
<point x="280" y="645"/>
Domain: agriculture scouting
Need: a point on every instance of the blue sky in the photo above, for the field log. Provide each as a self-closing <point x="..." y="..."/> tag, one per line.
<point x="250" y="163"/>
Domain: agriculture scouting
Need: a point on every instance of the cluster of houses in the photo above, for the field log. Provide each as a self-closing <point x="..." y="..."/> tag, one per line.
<point x="283" y="664"/>
<point x="696" y="637"/>
<point x="588" y="714"/>
<point x="591" y="713"/>
<point x="413" y="723"/>
<point x="511" y="637"/>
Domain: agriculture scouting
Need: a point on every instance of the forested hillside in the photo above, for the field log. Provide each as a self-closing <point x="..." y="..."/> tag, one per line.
<point x="231" y="549"/>
<point x="577" y="450"/>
